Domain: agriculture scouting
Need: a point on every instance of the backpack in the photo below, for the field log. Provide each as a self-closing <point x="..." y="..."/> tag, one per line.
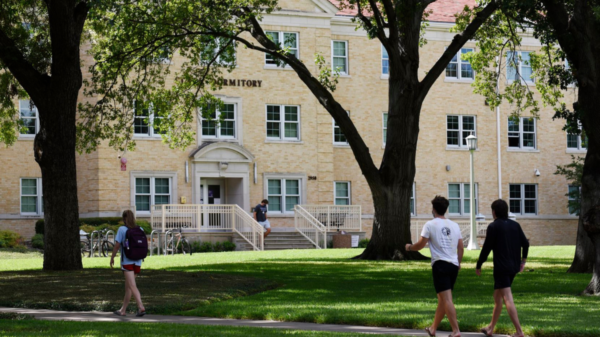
<point x="136" y="244"/>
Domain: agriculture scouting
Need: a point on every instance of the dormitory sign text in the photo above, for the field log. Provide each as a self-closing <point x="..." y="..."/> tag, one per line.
<point x="241" y="83"/>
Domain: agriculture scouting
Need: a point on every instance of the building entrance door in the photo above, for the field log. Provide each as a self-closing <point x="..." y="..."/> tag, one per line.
<point x="212" y="192"/>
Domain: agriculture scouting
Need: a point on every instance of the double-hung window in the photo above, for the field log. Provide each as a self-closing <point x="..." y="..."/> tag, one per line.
<point x="574" y="199"/>
<point x="218" y="51"/>
<point x="523" y="198"/>
<point x="458" y="129"/>
<point x="518" y="67"/>
<point x="221" y="122"/>
<point x="338" y="135"/>
<point x="459" y="68"/>
<point x="152" y="191"/>
<point x="521" y="133"/>
<point x="385" y="122"/>
<point x="339" y="54"/>
<point x="283" y="122"/>
<point x="146" y="120"/>
<point x="385" y="61"/>
<point x="286" y="40"/>
<point x="283" y="194"/>
<point x="29" y="118"/>
<point x="342" y="192"/>
<point x="459" y="196"/>
<point x="31" y="196"/>
<point x="577" y="142"/>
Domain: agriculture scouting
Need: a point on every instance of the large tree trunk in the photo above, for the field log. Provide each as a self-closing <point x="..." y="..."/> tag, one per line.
<point x="583" y="262"/>
<point x="591" y="224"/>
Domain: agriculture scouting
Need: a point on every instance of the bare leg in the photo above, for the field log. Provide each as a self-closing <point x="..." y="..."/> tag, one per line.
<point x="440" y="312"/>
<point x="127" y="298"/>
<point x="130" y="280"/>
<point x="512" y="309"/>
<point x="497" y="311"/>
<point x="267" y="232"/>
<point x="450" y="311"/>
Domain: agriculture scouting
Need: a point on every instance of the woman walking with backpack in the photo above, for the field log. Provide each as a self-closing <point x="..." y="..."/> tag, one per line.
<point x="130" y="240"/>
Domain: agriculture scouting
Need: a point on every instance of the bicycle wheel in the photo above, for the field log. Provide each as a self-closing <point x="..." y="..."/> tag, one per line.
<point x="107" y="248"/>
<point x="186" y="248"/>
<point x="170" y="247"/>
<point x="85" y="248"/>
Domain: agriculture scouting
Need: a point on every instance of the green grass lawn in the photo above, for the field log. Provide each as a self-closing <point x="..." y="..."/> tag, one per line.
<point x="325" y="286"/>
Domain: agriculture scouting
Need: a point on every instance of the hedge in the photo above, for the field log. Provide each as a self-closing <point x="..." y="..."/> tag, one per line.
<point x="10" y="239"/>
<point x="108" y="222"/>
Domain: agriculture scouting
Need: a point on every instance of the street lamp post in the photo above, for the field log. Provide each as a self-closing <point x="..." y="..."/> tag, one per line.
<point x="472" y="144"/>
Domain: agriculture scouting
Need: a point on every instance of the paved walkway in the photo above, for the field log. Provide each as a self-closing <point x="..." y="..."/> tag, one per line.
<point x="96" y="316"/>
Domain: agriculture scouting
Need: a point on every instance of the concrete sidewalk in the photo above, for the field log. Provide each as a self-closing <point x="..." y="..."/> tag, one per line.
<point x="96" y="316"/>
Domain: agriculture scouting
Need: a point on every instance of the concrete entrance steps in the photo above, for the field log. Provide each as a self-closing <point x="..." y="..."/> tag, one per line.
<point x="277" y="241"/>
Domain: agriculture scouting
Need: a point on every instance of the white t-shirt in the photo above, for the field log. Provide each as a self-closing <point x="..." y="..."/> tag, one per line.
<point x="443" y="236"/>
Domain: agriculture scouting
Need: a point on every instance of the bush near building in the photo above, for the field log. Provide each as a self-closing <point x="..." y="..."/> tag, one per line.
<point x="208" y="247"/>
<point x="10" y="239"/>
<point x="37" y="241"/>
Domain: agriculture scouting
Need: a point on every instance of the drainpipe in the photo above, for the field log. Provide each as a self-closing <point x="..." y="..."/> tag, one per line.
<point x="499" y="154"/>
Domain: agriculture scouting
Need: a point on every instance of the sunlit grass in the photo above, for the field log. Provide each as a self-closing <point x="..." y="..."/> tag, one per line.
<point x="326" y="286"/>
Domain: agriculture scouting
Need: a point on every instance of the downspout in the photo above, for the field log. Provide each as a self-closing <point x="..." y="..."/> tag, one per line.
<point x="499" y="152"/>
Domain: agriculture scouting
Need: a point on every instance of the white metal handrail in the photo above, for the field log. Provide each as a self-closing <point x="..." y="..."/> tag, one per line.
<point x="246" y="227"/>
<point x="337" y="217"/>
<point x="208" y="218"/>
<point x="465" y="228"/>
<point x="310" y="227"/>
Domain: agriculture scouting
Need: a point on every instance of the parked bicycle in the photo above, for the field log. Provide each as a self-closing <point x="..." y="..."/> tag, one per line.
<point x="106" y="246"/>
<point x="173" y="247"/>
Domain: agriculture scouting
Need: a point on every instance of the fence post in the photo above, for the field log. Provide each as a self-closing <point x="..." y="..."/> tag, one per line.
<point x="328" y="218"/>
<point x="360" y="218"/>
<point x="163" y="216"/>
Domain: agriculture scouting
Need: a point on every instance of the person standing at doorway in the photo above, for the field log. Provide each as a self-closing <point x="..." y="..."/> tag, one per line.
<point x="505" y="238"/>
<point x="447" y="249"/>
<point x="260" y="215"/>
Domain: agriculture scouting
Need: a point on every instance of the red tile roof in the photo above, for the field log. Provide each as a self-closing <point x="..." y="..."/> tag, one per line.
<point x="442" y="10"/>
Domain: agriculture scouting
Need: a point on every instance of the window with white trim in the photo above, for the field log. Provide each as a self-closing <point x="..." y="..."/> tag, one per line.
<point x="341" y="192"/>
<point x="146" y="121"/>
<point x="385" y="123"/>
<point x="283" y="194"/>
<point x="458" y="128"/>
<point x="29" y="117"/>
<point x="385" y="61"/>
<point x="459" y="196"/>
<point x="283" y="122"/>
<point x="577" y="142"/>
<point x="221" y="122"/>
<point x="522" y="133"/>
<point x="338" y="135"/>
<point x="31" y="196"/>
<point x="458" y="68"/>
<point x="518" y="67"/>
<point x="523" y="198"/>
<point x="286" y="40"/>
<point x="152" y="191"/>
<point x="339" y="54"/>
<point x="219" y="50"/>
<point x="574" y="198"/>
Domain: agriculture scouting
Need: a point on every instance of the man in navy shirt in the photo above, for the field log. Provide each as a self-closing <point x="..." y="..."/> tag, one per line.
<point x="506" y="239"/>
<point x="260" y="215"/>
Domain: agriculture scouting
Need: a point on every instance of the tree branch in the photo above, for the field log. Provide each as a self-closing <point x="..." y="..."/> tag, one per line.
<point x="32" y="80"/>
<point x="457" y="43"/>
<point x="559" y="19"/>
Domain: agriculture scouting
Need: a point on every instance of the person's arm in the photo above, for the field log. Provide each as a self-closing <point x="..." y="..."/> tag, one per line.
<point x="461" y="252"/>
<point x="254" y="214"/>
<point x="486" y="250"/>
<point x="114" y="252"/>
<point x="525" y="246"/>
<point x="417" y="246"/>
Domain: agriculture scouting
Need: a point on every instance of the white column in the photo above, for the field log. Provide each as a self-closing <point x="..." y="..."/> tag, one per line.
<point x="473" y="237"/>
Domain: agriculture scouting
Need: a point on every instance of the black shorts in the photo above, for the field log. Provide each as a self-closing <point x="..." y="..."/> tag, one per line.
<point x="444" y="275"/>
<point x="503" y="280"/>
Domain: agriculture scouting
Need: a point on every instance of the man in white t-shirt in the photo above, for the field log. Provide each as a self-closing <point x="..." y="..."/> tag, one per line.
<point x="447" y="248"/>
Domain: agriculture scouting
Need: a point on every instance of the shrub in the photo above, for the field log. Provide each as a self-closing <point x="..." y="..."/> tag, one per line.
<point x="218" y="247"/>
<point x="228" y="246"/>
<point x="363" y="243"/>
<point x="37" y="241"/>
<point x="205" y="247"/>
<point x="10" y="239"/>
<point x="39" y="227"/>
<point x="330" y="244"/>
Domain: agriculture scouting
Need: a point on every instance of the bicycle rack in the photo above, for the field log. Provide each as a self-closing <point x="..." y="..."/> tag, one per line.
<point x="166" y="251"/>
<point x="110" y="232"/>
<point x="154" y="232"/>
<point x="92" y="243"/>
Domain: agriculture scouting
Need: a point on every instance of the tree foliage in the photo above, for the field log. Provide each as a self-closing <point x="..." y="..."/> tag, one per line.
<point x="573" y="173"/>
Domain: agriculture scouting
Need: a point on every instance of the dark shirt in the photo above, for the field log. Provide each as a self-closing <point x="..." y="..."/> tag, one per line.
<point x="506" y="238"/>
<point x="260" y="212"/>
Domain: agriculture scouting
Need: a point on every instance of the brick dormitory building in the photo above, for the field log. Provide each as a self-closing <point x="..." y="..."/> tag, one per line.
<point x="277" y="142"/>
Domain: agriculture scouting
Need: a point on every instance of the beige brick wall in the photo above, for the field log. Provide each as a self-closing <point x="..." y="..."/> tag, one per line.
<point x="104" y="188"/>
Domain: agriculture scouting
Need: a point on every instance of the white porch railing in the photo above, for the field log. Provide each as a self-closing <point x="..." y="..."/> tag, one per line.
<point x="334" y="217"/>
<point x="208" y="218"/>
<point x="465" y="228"/>
<point x="310" y="227"/>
